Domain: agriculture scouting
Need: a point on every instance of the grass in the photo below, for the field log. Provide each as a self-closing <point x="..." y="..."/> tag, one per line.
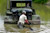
<point x="3" y="4"/>
<point x="41" y="10"/>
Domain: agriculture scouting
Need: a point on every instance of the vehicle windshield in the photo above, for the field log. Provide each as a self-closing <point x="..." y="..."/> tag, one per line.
<point x="20" y="4"/>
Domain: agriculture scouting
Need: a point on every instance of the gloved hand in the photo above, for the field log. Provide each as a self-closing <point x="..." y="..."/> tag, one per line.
<point x="26" y="21"/>
<point x="29" y="23"/>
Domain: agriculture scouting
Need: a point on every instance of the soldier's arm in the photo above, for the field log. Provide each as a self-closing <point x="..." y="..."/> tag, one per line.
<point x="26" y="21"/>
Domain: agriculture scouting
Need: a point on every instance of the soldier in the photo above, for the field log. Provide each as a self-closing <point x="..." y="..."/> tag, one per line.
<point x="28" y="5"/>
<point x="22" y="20"/>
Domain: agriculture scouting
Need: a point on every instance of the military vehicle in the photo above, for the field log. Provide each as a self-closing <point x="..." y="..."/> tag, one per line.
<point x="15" y="8"/>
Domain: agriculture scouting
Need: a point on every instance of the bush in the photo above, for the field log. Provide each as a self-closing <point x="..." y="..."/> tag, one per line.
<point x="40" y="1"/>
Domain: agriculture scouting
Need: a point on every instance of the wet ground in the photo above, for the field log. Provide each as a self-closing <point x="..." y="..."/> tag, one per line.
<point x="12" y="28"/>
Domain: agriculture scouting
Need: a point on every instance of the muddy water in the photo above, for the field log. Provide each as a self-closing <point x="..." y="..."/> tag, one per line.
<point x="36" y="28"/>
<point x="43" y="28"/>
<point x="14" y="28"/>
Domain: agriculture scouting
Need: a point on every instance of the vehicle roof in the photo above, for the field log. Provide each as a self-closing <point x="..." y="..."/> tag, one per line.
<point x="20" y="0"/>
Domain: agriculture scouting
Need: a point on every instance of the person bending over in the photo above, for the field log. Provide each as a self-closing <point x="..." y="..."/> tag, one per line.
<point x="22" y="20"/>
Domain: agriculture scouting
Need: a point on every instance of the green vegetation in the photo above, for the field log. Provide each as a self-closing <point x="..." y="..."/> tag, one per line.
<point x="43" y="11"/>
<point x="3" y="7"/>
<point x="40" y="1"/>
